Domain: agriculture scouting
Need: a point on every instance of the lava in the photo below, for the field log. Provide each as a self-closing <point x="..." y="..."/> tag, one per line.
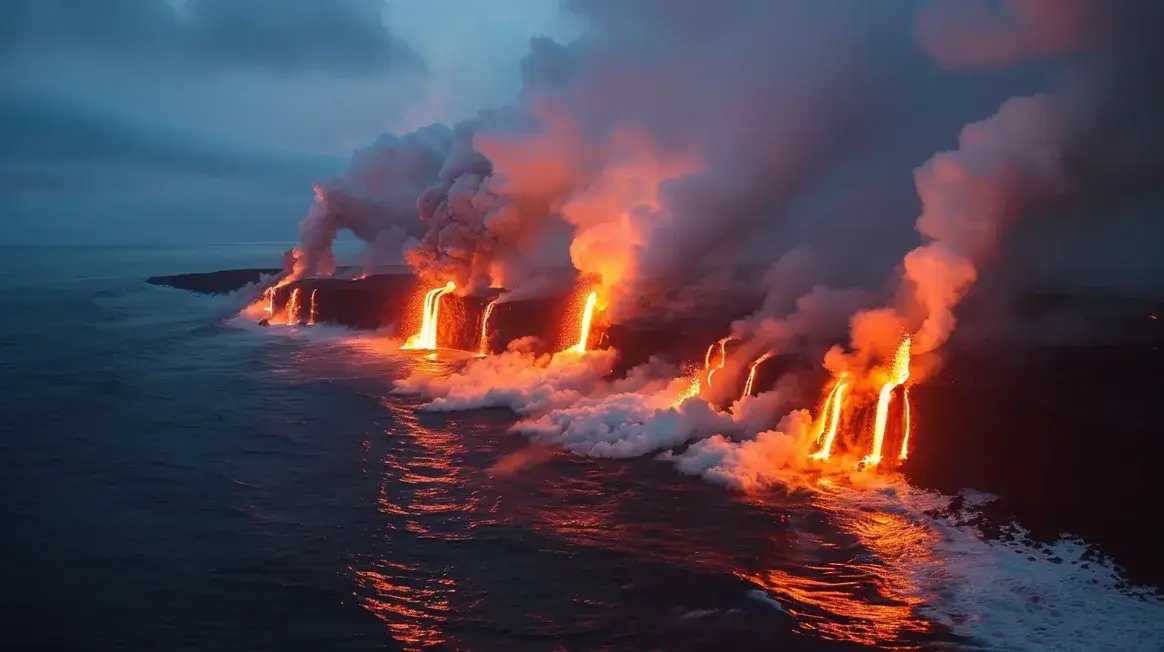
<point x="691" y="390"/>
<point x="898" y="374"/>
<point x="312" y="313"/>
<point x="905" y="424"/>
<point x="269" y="295"/>
<point x="293" y="307"/>
<point x="483" y="347"/>
<point x="830" y="419"/>
<point x="587" y="319"/>
<point x="426" y="338"/>
<point x="722" y="358"/>
<point x="752" y="374"/>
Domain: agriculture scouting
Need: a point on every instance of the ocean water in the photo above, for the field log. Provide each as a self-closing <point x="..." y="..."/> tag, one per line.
<point x="172" y="478"/>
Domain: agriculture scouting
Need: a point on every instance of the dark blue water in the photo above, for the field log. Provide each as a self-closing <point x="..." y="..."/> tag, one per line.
<point x="170" y="480"/>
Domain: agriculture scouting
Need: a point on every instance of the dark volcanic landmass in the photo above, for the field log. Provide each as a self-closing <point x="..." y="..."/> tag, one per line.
<point x="221" y="282"/>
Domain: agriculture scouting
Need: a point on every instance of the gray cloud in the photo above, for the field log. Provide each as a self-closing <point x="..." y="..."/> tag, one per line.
<point x="334" y="36"/>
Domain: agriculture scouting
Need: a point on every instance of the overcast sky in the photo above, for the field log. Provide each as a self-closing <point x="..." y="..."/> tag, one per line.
<point x="141" y="121"/>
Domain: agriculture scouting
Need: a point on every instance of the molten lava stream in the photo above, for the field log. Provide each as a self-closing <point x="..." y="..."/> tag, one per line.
<point x="269" y="295"/>
<point x="830" y="419"/>
<point x="483" y="347"/>
<point x="587" y="320"/>
<point x="898" y="374"/>
<point x="905" y="424"/>
<point x="312" y="314"/>
<point x="426" y="339"/>
<point x="292" y="315"/>
<point x="722" y="358"/>
<point x="690" y="391"/>
<point x="752" y="374"/>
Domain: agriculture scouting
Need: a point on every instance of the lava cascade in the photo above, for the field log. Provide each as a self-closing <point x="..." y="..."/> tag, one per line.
<point x="292" y="313"/>
<point x="426" y="338"/>
<point x="483" y="347"/>
<point x="898" y="374"/>
<point x="312" y="312"/>
<point x="752" y="374"/>
<point x="587" y="321"/>
<point x="830" y="418"/>
<point x="721" y="344"/>
<point x="835" y="405"/>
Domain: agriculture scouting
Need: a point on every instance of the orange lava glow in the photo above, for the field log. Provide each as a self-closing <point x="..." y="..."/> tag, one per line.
<point x="830" y="419"/>
<point x="426" y="338"/>
<point x="898" y="374"/>
<point x="269" y="295"/>
<point x="587" y="320"/>
<point x="690" y="391"/>
<point x="312" y="313"/>
<point x="722" y="358"/>
<point x="905" y="424"/>
<point x="752" y="374"/>
<point x="293" y="307"/>
<point x="483" y="347"/>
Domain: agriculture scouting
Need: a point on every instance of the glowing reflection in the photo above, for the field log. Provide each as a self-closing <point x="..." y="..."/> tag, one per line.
<point x="424" y="497"/>
<point x="869" y="592"/>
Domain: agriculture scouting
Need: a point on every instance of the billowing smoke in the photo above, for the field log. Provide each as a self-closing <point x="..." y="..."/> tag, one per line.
<point x="661" y="138"/>
<point x="1110" y="114"/>
<point x="375" y="197"/>
<point x="678" y="132"/>
<point x="1036" y="155"/>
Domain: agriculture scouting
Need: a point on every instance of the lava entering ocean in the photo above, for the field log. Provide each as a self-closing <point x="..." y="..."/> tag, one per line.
<point x="583" y="342"/>
<point x="898" y="374"/>
<point x="722" y="344"/>
<point x="835" y="404"/>
<point x="752" y="373"/>
<point x="426" y="338"/>
<point x="483" y="346"/>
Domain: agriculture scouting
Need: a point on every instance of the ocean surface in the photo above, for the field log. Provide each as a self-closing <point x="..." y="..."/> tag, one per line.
<point x="174" y="478"/>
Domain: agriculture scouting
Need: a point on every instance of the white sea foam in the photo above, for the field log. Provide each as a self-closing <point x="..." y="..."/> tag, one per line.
<point x="1009" y="595"/>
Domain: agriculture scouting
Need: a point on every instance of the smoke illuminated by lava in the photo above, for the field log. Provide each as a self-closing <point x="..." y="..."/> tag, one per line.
<point x="426" y="338"/>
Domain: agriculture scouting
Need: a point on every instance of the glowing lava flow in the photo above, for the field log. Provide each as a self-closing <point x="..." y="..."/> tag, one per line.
<point x="722" y="358"/>
<point x="898" y="374"/>
<point x="483" y="347"/>
<point x="269" y="295"/>
<point x="690" y="391"/>
<point x="312" y="314"/>
<point x="905" y="425"/>
<point x="587" y="318"/>
<point x="293" y="307"/>
<point x="426" y="339"/>
<point x="830" y="415"/>
<point x="752" y="374"/>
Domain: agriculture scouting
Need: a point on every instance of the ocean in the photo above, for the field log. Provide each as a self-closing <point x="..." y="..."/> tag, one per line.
<point x="174" y="477"/>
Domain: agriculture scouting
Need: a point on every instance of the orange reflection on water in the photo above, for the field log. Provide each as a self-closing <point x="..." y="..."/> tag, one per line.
<point x="874" y="598"/>
<point x="423" y="496"/>
<point x="414" y="615"/>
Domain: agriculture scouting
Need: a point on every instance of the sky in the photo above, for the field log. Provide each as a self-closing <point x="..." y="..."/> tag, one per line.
<point x="179" y="121"/>
<point x="187" y="121"/>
